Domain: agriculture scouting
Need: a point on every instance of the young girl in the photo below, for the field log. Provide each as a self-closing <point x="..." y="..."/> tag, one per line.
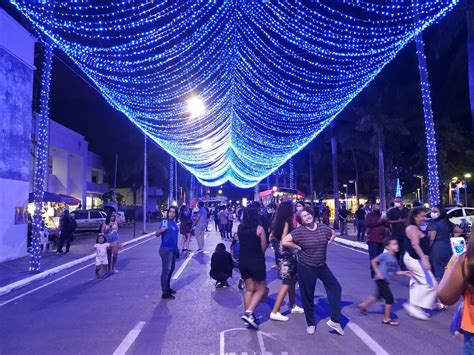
<point x="101" y="261"/>
<point x="110" y="231"/>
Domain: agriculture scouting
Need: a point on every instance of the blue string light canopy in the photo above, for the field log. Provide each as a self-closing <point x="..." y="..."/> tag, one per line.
<point x="232" y="89"/>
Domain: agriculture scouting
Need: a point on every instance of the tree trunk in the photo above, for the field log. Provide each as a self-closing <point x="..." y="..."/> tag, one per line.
<point x="356" y="183"/>
<point x="335" y="178"/>
<point x="311" y="189"/>
<point x="383" y="204"/>
<point x="41" y="161"/>
<point x="470" y="55"/>
<point x="431" y="154"/>
<point x="171" y="182"/>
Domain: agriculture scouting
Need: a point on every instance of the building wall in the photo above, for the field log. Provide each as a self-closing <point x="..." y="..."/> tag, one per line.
<point x="16" y="90"/>
<point x="69" y="153"/>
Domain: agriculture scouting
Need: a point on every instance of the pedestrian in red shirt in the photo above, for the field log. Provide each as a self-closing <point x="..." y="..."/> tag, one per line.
<point x="376" y="227"/>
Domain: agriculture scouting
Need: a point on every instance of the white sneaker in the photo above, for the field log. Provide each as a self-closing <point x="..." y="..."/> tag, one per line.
<point x="335" y="326"/>
<point x="278" y="316"/>
<point x="415" y="312"/>
<point x="310" y="329"/>
<point x="297" y="309"/>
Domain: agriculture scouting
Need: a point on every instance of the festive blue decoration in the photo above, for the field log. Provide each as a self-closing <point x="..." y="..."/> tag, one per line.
<point x="41" y="159"/>
<point x="271" y="74"/>
<point x="398" y="192"/>
<point x="430" y="134"/>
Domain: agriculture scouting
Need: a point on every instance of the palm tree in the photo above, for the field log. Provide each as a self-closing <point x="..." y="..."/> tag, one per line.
<point x="431" y="154"/>
<point x="384" y="123"/>
<point x="470" y="55"/>
<point x="335" y="178"/>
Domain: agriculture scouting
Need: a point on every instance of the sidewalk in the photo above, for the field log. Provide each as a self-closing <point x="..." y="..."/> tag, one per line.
<point x="15" y="270"/>
<point x="351" y="239"/>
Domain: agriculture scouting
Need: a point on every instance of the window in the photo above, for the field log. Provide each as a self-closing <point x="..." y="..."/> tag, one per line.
<point x="455" y="213"/>
<point x="95" y="214"/>
<point x="50" y="165"/>
<point x="80" y="215"/>
<point x="469" y="211"/>
<point x="95" y="177"/>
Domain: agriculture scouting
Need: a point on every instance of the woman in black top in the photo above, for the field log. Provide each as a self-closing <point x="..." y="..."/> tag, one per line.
<point x="185" y="227"/>
<point x="221" y="266"/>
<point x="253" y="243"/>
<point x="282" y="225"/>
<point x="423" y="284"/>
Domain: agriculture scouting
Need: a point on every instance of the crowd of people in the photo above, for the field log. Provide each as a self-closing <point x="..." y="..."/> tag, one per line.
<point x="399" y="243"/>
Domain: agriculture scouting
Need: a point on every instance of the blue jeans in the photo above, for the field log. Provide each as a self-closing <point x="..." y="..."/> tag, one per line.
<point x="439" y="257"/>
<point x="360" y="230"/>
<point x="168" y="259"/>
<point x="307" y="277"/>
<point x="223" y="231"/>
<point x="468" y="343"/>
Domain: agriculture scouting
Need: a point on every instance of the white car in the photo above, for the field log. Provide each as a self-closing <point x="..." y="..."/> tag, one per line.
<point x="88" y="220"/>
<point x="462" y="217"/>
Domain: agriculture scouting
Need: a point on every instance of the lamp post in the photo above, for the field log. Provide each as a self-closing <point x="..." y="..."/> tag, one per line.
<point x="422" y="197"/>
<point x="356" y="190"/>
<point x="345" y="194"/>
<point x="466" y="176"/>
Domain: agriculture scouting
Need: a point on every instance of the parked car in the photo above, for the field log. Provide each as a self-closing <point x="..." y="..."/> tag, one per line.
<point x="462" y="217"/>
<point x="88" y="220"/>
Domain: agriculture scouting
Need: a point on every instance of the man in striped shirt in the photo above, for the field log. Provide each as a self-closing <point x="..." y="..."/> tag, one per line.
<point x="311" y="239"/>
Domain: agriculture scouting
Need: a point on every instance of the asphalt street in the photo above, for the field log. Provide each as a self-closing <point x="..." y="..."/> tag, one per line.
<point x="73" y="313"/>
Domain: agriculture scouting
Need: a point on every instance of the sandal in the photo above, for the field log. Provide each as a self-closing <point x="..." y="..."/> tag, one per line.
<point x="391" y="322"/>
<point x="362" y="309"/>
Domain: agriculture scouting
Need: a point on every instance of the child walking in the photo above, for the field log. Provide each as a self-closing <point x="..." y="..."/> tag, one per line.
<point x="101" y="261"/>
<point x="384" y="266"/>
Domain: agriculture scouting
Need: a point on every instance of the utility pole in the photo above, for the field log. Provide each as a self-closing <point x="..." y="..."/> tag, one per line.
<point x="145" y="185"/>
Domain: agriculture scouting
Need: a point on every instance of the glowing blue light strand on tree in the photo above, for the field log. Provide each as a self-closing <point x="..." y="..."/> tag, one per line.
<point x="272" y="74"/>
<point x="430" y="134"/>
<point x="41" y="159"/>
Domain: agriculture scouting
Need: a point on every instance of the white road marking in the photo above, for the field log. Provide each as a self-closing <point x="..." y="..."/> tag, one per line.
<point x="367" y="339"/>
<point x="183" y="265"/>
<point x="222" y="339"/>
<point x="129" y="339"/>
<point x="353" y="249"/>
<point x="63" y="277"/>
<point x="261" y="344"/>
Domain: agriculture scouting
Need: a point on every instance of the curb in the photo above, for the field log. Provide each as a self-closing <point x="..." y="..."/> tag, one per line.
<point x="352" y="244"/>
<point x="26" y="281"/>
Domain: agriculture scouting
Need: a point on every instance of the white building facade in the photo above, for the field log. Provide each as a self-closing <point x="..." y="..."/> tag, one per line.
<point x="16" y="93"/>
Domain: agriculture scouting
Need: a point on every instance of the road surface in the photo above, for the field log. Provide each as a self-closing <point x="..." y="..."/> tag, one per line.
<point x="73" y="313"/>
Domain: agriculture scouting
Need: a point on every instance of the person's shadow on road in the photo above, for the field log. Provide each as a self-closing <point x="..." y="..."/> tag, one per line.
<point x="323" y="311"/>
<point x="153" y="335"/>
<point x="227" y="297"/>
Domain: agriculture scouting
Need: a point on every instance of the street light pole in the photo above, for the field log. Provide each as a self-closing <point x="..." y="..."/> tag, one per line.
<point x="466" y="177"/>
<point x="145" y="185"/>
<point x="422" y="195"/>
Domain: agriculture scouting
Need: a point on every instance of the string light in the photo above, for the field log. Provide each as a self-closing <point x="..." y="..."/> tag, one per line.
<point x="272" y="74"/>
<point x="430" y="134"/>
<point x="41" y="163"/>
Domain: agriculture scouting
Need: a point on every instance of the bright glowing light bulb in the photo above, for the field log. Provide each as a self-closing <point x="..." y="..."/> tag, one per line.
<point x="196" y="107"/>
<point x="206" y="144"/>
